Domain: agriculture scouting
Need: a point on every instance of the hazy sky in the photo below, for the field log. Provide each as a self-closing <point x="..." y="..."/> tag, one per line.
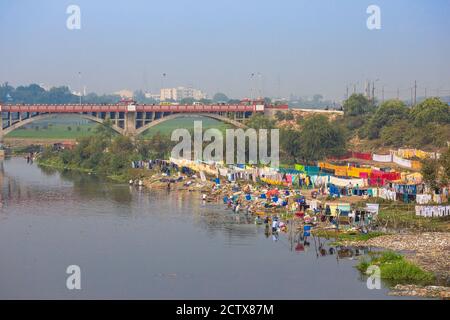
<point x="300" y="47"/>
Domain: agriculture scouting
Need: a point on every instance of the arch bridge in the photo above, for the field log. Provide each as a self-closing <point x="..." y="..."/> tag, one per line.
<point x="129" y="119"/>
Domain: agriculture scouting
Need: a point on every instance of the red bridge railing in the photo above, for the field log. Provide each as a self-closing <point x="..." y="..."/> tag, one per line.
<point x="76" y="108"/>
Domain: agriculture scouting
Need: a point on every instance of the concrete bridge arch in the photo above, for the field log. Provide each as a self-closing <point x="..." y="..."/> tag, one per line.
<point x="31" y="119"/>
<point x="219" y="117"/>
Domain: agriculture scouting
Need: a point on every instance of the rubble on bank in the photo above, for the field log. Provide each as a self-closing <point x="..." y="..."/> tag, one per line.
<point x="429" y="250"/>
<point x="423" y="292"/>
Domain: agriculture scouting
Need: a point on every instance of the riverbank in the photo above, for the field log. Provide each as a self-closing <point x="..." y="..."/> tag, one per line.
<point x="429" y="250"/>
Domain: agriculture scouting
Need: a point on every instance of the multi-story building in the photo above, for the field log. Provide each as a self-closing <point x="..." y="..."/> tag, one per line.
<point x="181" y="93"/>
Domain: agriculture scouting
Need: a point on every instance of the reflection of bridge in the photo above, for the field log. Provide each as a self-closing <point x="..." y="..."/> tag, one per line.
<point x="128" y="118"/>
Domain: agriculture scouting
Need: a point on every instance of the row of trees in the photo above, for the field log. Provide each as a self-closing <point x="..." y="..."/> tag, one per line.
<point x="108" y="153"/>
<point x="317" y="138"/>
<point x="395" y="124"/>
<point x="436" y="173"/>
<point x="34" y="93"/>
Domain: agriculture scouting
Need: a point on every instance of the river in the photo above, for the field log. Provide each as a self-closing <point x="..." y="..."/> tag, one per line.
<point x="133" y="243"/>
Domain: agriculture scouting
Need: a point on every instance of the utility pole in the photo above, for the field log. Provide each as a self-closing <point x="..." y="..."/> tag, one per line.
<point x="346" y="94"/>
<point x="415" y="92"/>
<point x="373" y="91"/>
<point x="251" y="86"/>
<point x="412" y="96"/>
<point x="81" y="89"/>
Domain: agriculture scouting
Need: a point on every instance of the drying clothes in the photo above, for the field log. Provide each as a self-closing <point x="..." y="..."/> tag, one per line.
<point x="432" y="211"/>
<point x="345" y="182"/>
<point x="361" y="155"/>
<point x="401" y="162"/>
<point x="423" y="198"/>
<point x="387" y="194"/>
<point x="382" y="158"/>
<point x="406" y="188"/>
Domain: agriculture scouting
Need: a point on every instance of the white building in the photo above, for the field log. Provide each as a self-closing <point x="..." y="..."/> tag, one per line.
<point x="125" y="94"/>
<point x="155" y="96"/>
<point x="181" y="93"/>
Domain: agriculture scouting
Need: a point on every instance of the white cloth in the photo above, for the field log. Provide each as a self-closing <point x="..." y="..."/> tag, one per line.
<point x="387" y="194"/>
<point x="341" y="182"/>
<point x="432" y="211"/>
<point x="423" y="198"/>
<point x="402" y="162"/>
<point x="382" y="158"/>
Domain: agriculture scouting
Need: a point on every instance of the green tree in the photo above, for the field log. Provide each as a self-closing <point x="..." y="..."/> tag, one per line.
<point x="290" y="145"/>
<point x="220" y="97"/>
<point x="260" y="121"/>
<point x="280" y="115"/>
<point x="104" y="130"/>
<point x="444" y="161"/>
<point x="430" y="172"/>
<point x="289" y="116"/>
<point x="388" y="113"/>
<point x="431" y="110"/>
<point x="188" y="101"/>
<point x="321" y="138"/>
<point x="357" y="104"/>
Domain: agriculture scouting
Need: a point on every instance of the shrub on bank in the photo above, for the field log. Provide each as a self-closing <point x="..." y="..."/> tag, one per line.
<point x="396" y="269"/>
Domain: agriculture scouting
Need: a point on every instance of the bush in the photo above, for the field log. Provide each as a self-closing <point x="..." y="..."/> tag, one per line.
<point x="396" y="268"/>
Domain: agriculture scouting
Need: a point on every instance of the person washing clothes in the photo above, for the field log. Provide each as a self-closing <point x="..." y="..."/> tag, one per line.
<point x="275" y="225"/>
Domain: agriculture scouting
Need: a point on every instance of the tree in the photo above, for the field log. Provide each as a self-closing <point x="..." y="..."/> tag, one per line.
<point x="290" y="144"/>
<point x="388" y="113"/>
<point x="220" y="97"/>
<point x="159" y="146"/>
<point x="280" y="115"/>
<point x="289" y="116"/>
<point x="430" y="172"/>
<point x="431" y="110"/>
<point x="357" y="104"/>
<point x="104" y="130"/>
<point x="321" y="138"/>
<point x="188" y="101"/>
<point x="444" y="161"/>
<point x="260" y="121"/>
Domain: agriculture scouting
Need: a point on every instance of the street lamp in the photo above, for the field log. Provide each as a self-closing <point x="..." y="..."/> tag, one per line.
<point x="81" y="89"/>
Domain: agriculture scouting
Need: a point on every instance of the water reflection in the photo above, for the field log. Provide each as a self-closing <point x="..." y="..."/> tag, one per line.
<point x="137" y="243"/>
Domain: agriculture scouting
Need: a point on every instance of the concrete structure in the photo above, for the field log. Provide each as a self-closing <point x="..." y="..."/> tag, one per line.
<point x="126" y="94"/>
<point x="129" y="118"/>
<point x="180" y="93"/>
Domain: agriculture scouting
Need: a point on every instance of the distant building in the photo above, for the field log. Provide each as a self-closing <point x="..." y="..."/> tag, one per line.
<point x="181" y="93"/>
<point x="128" y="94"/>
<point x="154" y="96"/>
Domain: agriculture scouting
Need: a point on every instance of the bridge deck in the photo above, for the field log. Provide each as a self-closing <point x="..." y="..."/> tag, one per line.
<point x="77" y="108"/>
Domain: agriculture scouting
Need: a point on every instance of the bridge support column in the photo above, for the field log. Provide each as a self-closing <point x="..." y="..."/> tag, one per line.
<point x="130" y="124"/>
<point x="2" y="148"/>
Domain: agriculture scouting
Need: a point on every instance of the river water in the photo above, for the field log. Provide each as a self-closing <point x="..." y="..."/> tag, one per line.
<point x="134" y="243"/>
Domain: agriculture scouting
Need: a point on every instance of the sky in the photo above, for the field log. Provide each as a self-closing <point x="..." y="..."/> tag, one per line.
<point x="295" y="47"/>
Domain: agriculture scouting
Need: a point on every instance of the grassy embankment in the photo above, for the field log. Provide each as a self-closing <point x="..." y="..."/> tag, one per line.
<point x="396" y="269"/>
<point x="62" y="131"/>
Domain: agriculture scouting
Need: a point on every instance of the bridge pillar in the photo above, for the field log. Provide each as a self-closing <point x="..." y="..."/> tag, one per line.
<point x="130" y="124"/>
